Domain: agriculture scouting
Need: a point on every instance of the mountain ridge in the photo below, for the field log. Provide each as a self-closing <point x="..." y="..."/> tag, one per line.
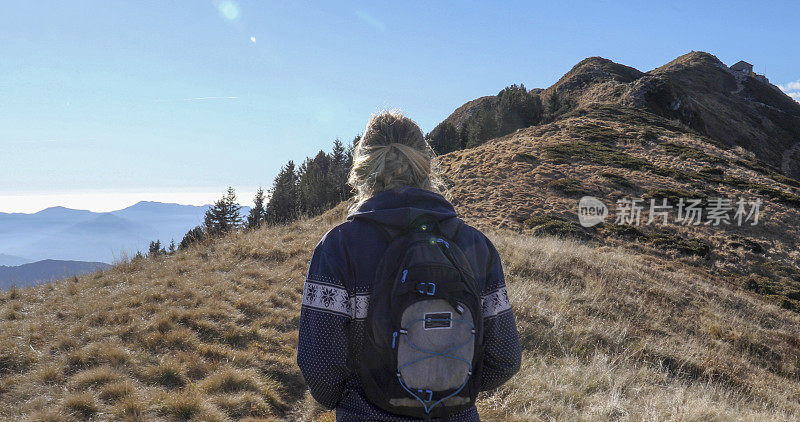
<point x="696" y="89"/>
<point x="54" y="232"/>
<point x="33" y="273"/>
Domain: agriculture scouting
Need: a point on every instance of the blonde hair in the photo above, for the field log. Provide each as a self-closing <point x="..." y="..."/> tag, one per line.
<point x="392" y="152"/>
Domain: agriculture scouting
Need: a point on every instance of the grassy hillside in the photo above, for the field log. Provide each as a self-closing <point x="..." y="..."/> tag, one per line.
<point x="618" y="322"/>
<point x="530" y="181"/>
<point x="209" y="334"/>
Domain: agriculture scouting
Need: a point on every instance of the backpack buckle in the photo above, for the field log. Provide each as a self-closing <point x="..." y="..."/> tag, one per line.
<point x="426" y="288"/>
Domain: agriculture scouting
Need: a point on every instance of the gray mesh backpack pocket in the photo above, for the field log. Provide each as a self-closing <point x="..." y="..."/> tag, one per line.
<point x="423" y="342"/>
<point x="435" y="351"/>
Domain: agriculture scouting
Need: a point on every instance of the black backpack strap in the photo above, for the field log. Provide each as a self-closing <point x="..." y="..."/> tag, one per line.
<point x="448" y="227"/>
<point x="451" y="227"/>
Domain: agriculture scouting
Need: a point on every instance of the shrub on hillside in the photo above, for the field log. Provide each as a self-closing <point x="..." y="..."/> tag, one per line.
<point x="618" y="180"/>
<point x="780" y="269"/>
<point x="626" y="231"/>
<point x="444" y="138"/>
<point x="674" y="241"/>
<point x="553" y="225"/>
<point x="685" y="151"/>
<point x="593" y="152"/>
<point x="192" y="236"/>
<point x="673" y="173"/>
<point x="757" y="283"/>
<point x="81" y="405"/>
<point x="746" y="243"/>
<point x="594" y="132"/>
<point x="569" y="187"/>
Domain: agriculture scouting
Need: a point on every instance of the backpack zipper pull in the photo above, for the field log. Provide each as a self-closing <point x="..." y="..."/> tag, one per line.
<point x="405" y="273"/>
<point x="394" y="339"/>
<point x="446" y="244"/>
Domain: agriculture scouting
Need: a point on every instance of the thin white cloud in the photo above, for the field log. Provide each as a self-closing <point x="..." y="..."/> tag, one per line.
<point x="73" y="142"/>
<point x="792" y="89"/>
<point x="370" y="20"/>
<point x="791" y="86"/>
<point x="199" y="99"/>
<point x="210" y="98"/>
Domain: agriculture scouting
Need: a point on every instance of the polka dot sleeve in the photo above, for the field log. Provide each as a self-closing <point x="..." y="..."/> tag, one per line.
<point x="502" y="351"/>
<point x="324" y="318"/>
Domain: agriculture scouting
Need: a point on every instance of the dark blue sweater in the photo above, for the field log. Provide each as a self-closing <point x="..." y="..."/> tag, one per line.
<point x="336" y="298"/>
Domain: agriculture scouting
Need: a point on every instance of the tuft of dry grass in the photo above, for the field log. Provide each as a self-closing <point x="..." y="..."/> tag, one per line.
<point x="115" y="391"/>
<point x="166" y="374"/>
<point x="242" y="405"/>
<point x="94" y="377"/>
<point x="51" y="374"/>
<point x="81" y="405"/>
<point x="130" y="409"/>
<point x="231" y="381"/>
<point x="181" y="405"/>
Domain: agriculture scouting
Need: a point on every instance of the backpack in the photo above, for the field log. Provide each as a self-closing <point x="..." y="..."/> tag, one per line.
<point x="423" y="339"/>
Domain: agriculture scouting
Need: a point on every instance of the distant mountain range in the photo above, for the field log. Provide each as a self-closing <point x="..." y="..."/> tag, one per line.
<point x="78" y="235"/>
<point x="11" y="260"/>
<point x="42" y="271"/>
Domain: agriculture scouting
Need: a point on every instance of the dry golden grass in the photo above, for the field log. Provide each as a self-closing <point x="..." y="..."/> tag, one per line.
<point x="507" y="180"/>
<point x="608" y="335"/>
<point x="210" y="334"/>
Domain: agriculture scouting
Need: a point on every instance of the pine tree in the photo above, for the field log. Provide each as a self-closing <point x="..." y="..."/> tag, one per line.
<point x="317" y="191"/>
<point x="284" y="200"/>
<point x="258" y="214"/>
<point x="516" y="108"/>
<point x="316" y="186"/>
<point x="156" y="249"/>
<point x="172" y="248"/>
<point x="352" y="147"/>
<point x="194" y="235"/>
<point x="223" y="217"/>
<point x="481" y="128"/>
<point x="341" y="161"/>
<point x="444" y="138"/>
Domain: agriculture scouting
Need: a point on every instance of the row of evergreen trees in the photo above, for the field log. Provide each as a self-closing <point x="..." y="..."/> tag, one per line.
<point x="317" y="185"/>
<point x="513" y="108"/>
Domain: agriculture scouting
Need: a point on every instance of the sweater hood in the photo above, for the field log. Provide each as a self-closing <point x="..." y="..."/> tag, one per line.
<point x="400" y="206"/>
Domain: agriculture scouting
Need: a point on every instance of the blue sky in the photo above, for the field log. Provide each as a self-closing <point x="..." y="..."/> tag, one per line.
<point x="103" y="103"/>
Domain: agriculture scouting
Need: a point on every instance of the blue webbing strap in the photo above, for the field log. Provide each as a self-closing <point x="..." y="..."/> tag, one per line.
<point x="433" y="354"/>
